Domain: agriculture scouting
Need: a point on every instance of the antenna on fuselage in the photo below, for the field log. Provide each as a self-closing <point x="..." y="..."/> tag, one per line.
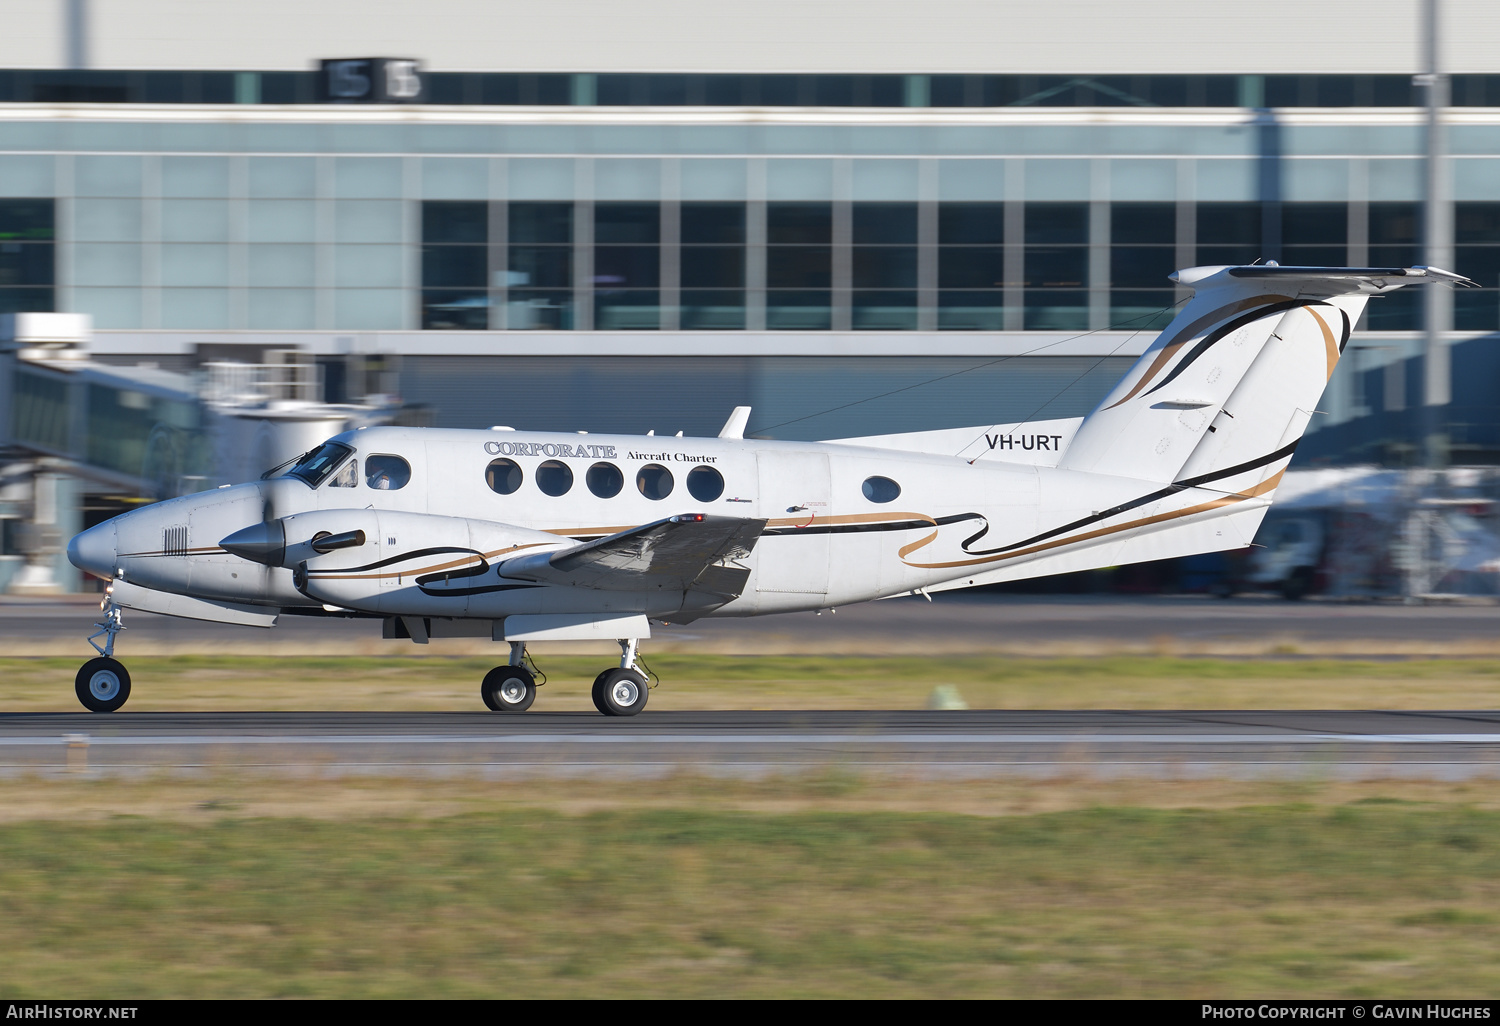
<point x="734" y="427"/>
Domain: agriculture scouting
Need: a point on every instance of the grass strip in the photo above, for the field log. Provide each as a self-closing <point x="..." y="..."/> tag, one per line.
<point x="708" y="681"/>
<point x="1376" y="898"/>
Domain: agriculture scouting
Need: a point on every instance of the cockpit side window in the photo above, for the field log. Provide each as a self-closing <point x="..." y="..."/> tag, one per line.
<point x="315" y="467"/>
<point x="347" y="476"/>
<point x="387" y="473"/>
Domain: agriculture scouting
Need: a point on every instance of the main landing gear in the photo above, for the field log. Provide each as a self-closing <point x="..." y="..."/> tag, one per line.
<point x="103" y="684"/>
<point x="618" y="691"/>
<point x="622" y="690"/>
<point x="510" y="688"/>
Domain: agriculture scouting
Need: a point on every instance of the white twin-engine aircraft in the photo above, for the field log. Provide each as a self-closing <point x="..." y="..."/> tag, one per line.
<point x="524" y="537"/>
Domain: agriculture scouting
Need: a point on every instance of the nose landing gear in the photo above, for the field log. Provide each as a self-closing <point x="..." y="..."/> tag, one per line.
<point x="103" y="684"/>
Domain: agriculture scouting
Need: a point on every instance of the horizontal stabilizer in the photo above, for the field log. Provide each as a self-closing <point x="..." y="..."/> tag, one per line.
<point x="683" y="553"/>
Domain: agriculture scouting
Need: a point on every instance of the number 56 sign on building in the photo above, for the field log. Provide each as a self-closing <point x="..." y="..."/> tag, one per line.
<point x="371" y="80"/>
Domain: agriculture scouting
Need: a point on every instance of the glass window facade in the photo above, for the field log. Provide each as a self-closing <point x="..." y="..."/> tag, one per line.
<point x="712" y="264"/>
<point x="1142" y="252"/>
<point x="455" y="254"/>
<point x="27" y="255"/>
<point x="1057" y="266"/>
<point x="1476" y="236"/>
<point x="971" y="266"/>
<point x="884" y="267"/>
<point x="799" y="266"/>
<point x="539" y="266"/>
<point x="627" y="266"/>
<point x="755" y="90"/>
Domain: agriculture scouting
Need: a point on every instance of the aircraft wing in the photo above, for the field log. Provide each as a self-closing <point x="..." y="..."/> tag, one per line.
<point x="692" y="553"/>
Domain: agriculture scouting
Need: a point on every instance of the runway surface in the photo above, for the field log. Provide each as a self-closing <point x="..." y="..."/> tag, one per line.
<point x="957" y="623"/>
<point x="978" y="743"/>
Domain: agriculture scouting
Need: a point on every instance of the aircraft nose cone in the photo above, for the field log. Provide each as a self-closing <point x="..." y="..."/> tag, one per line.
<point x="259" y="543"/>
<point x="93" y="551"/>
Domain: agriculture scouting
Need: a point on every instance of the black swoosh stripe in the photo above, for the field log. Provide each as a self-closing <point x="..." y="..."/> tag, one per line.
<point x="894" y="525"/>
<point x="413" y="554"/>
<point x="1227" y="328"/>
<point x="1171" y="489"/>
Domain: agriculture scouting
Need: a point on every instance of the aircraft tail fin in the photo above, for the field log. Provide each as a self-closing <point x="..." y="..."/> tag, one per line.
<point x="1227" y="389"/>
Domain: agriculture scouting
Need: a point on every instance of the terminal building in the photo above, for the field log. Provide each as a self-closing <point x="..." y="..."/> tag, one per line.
<point x="854" y="217"/>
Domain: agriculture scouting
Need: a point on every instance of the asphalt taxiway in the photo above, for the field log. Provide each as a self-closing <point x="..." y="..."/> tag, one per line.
<point x="952" y="624"/>
<point x="1452" y="745"/>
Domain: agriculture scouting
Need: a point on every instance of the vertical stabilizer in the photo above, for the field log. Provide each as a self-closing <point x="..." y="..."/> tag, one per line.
<point x="1234" y="379"/>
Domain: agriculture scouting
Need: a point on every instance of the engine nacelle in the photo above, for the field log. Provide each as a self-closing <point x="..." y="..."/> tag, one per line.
<point x="414" y="564"/>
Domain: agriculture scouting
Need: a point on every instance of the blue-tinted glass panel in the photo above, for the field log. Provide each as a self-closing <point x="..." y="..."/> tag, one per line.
<point x="627" y="267"/>
<point x="1057" y="223"/>
<point x="971" y="224"/>
<point x="712" y="309"/>
<point x="550" y="223"/>
<point x="799" y="267"/>
<point x="885" y="223"/>
<point x="799" y="223"/>
<point x="1056" y="310"/>
<point x="883" y="311"/>
<point x="799" y="311"/>
<point x="1138" y="267"/>
<point x="713" y="267"/>
<point x="455" y="309"/>
<point x="885" y="267"/>
<point x="546" y="267"/>
<point x="455" y="221"/>
<point x="971" y="267"/>
<point x="713" y="222"/>
<point x="1059" y="267"/>
<point x="454" y="266"/>
<point x="627" y="223"/>
<point x="1143" y="223"/>
<point x="971" y="310"/>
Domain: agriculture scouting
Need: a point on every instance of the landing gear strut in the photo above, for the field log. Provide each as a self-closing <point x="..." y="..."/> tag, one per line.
<point x="103" y="684"/>
<point x="622" y="690"/>
<point x="510" y="688"/>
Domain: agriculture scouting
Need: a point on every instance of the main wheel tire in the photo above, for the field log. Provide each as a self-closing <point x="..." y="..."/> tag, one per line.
<point x="102" y="685"/>
<point x="508" y="689"/>
<point x="621" y="692"/>
<point x="598" y="692"/>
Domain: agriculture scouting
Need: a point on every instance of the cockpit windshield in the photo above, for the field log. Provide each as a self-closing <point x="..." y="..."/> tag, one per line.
<point x="322" y="461"/>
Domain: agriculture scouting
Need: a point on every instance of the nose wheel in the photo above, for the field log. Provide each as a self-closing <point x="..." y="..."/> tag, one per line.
<point x="103" y="684"/>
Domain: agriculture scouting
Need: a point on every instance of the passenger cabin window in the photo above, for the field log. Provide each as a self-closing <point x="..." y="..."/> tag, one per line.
<point x="605" y="480"/>
<point x="881" y="489"/>
<point x="347" y="476"/>
<point x="654" y="481"/>
<point x="554" y="478"/>
<point x="705" y="484"/>
<point x="503" y="476"/>
<point x="387" y="473"/>
<point x="315" y="467"/>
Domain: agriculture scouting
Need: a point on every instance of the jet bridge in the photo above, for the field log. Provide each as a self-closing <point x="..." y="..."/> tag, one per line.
<point x="81" y="441"/>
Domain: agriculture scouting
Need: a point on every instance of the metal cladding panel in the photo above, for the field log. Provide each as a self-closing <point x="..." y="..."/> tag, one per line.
<point x="1065" y="36"/>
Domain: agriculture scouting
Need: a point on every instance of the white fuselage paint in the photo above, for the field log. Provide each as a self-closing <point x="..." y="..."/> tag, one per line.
<point x="825" y="543"/>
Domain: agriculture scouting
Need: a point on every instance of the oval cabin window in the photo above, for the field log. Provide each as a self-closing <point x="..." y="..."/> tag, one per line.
<point x="605" y="480"/>
<point x="554" y="478"/>
<point x="503" y="476"/>
<point x="654" y="481"/>
<point x="881" y="489"/>
<point x="705" y="484"/>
